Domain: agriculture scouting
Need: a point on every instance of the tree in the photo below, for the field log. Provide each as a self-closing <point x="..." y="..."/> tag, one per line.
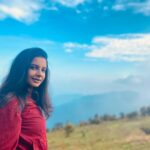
<point x="122" y="115"/>
<point x="143" y="111"/>
<point x="132" y="115"/>
<point x="68" y="129"/>
<point x="58" y="126"/>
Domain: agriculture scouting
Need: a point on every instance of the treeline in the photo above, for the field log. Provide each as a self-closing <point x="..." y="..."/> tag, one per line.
<point x="144" y="111"/>
<point x="97" y="119"/>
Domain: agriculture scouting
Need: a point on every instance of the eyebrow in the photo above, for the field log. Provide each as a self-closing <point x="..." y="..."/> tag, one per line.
<point x="37" y="66"/>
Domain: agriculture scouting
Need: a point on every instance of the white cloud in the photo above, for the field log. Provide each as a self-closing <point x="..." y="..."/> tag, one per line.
<point x="124" y="47"/>
<point x="70" y="46"/>
<point x="118" y="7"/>
<point x="22" y="10"/>
<point x="28" y="11"/>
<point x="69" y="3"/>
<point x="142" y="7"/>
<point x="127" y="47"/>
<point x="53" y="8"/>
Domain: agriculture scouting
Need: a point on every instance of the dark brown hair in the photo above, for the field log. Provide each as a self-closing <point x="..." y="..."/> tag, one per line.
<point x="16" y="84"/>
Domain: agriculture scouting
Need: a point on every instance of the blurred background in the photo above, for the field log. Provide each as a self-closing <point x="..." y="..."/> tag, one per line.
<point x="99" y="52"/>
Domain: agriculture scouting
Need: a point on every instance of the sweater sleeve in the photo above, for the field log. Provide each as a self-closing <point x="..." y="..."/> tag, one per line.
<point x="10" y="125"/>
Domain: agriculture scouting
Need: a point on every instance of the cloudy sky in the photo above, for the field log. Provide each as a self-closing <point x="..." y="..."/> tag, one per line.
<point x="94" y="46"/>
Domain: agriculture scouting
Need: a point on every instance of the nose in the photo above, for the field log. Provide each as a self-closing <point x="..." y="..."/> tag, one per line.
<point x="39" y="72"/>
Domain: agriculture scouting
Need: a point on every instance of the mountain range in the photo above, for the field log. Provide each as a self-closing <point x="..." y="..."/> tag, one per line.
<point x="76" y="108"/>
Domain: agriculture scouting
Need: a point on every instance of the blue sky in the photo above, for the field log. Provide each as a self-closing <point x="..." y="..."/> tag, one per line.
<point x="94" y="46"/>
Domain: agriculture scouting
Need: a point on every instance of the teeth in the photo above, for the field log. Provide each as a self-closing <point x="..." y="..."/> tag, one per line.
<point x="36" y="79"/>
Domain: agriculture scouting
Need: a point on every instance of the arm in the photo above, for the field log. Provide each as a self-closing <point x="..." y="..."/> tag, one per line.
<point x="10" y="125"/>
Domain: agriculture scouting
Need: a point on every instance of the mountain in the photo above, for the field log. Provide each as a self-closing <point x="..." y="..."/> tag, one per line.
<point x="65" y="98"/>
<point x="82" y="108"/>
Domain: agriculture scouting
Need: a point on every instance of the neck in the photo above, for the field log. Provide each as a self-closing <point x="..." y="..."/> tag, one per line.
<point x="30" y="89"/>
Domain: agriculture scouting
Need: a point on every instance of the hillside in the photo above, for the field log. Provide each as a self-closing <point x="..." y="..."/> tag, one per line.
<point x="123" y="134"/>
<point x="83" y="107"/>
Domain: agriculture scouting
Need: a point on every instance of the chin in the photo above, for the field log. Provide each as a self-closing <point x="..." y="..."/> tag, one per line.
<point x="35" y="85"/>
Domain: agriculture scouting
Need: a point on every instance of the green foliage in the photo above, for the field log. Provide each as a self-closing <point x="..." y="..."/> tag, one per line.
<point x="145" y="111"/>
<point x="95" y="119"/>
<point x="68" y="129"/>
<point x="107" y="117"/>
<point x="132" y="115"/>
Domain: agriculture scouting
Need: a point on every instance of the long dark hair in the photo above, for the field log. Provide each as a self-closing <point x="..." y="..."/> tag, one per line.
<point x="16" y="84"/>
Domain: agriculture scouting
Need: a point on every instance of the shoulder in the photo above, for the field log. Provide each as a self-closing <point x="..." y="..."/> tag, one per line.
<point x="12" y="102"/>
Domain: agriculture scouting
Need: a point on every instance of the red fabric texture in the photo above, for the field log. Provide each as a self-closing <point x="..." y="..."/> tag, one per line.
<point x="24" y="130"/>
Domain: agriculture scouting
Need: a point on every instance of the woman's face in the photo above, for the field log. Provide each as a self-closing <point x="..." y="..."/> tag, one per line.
<point x="36" y="72"/>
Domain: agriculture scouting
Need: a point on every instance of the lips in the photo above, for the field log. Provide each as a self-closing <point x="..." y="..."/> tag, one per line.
<point x="36" y="79"/>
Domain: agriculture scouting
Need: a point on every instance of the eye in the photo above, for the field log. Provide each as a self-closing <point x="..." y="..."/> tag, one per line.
<point x="33" y="67"/>
<point x="44" y="70"/>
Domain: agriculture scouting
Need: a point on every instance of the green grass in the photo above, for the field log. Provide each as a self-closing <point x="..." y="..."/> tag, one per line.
<point x="113" y="135"/>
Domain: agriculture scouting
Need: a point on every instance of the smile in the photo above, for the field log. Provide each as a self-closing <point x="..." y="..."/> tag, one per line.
<point x="36" y="79"/>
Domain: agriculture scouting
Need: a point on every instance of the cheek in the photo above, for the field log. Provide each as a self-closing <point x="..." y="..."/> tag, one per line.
<point x="44" y="76"/>
<point x="30" y="74"/>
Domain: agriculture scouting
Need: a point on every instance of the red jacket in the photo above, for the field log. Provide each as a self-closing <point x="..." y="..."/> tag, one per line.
<point x="24" y="130"/>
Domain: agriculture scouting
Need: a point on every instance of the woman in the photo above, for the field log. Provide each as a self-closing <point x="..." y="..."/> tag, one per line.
<point x="24" y="102"/>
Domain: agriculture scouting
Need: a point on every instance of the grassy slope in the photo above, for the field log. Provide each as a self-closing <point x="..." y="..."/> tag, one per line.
<point x="114" y="135"/>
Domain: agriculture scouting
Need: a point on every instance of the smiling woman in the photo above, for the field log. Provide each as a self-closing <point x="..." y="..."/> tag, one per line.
<point x="24" y="102"/>
<point x="36" y="73"/>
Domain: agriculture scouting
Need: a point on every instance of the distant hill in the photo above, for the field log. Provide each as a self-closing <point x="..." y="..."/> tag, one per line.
<point x="82" y="108"/>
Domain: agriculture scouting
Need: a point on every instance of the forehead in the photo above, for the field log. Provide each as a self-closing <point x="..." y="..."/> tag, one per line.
<point x="40" y="61"/>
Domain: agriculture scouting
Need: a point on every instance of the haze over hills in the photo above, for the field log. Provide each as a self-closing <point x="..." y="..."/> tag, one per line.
<point x="82" y="107"/>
